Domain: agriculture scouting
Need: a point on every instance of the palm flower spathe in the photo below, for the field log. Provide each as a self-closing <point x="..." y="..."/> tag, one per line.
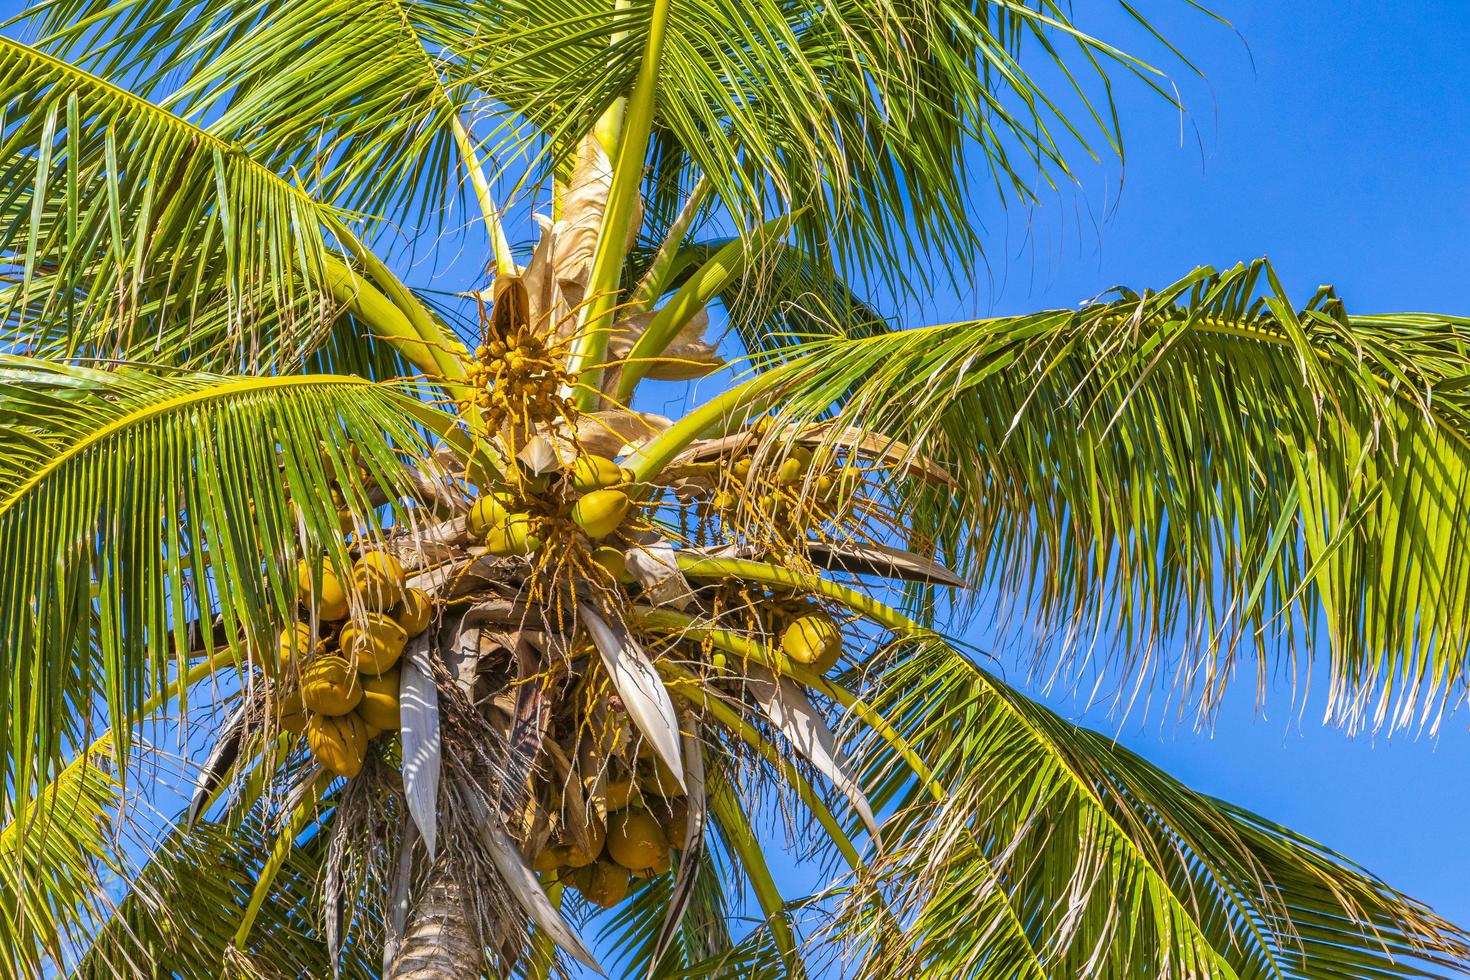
<point x="461" y="644"/>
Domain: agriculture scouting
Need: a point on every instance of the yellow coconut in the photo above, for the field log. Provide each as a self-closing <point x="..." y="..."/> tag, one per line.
<point x="618" y="792"/>
<point x="577" y="857"/>
<point x="794" y="466"/>
<point x="612" y="560"/>
<point x="329" y="598"/>
<point x="740" y="469"/>
<point x="635" y="840"/>
<point x="373" y="645"/>
<point x="516" y="537"/>
<point x="413" y="612"/>
<point x="379" y="578"/>
<point x="591" y="473"/>
<point x="602" y="883"/>
<point x="291" y="714"/>
<point x="488" y="511"/>
<point x="379" y="706"/>
<point x="295" y="643"/>
<point x="329" y="685"/>
<point x="658" y="778"/>
<point x="812" y="640"/>
<point x="550" y="858"/>
<point x="675" y="821"/>
<point x="600" y="512"/>
<point x="373" y="731"/>
<point x="339" y="743"/>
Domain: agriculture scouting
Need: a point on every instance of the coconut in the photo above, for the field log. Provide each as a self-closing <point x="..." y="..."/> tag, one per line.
<point x="291" y="714"/>
<point x="329" y="598"/>
<point x="576" y="857"/>
<point x="379" y="706"/>
<point x="794" y="466"/>
<point x="813" y="640"/>
<point x="603" y="883"/>
<point x="600" y="512"/>
<point x="618" y="792"/>
<point x="339" y="743"/>
<point x="329" y="685"/>
<point x="373" y="645"/>
<point x="740" y="469"/>
<point x="612" y="560"/>
<point x="656" y="777"/>
<point x="296" y="642"/>
<point x="413" y="612"/>
<point x="675" y="822"/>
<point x="515" y="537"/>
<point x="379" y="578"/>
<point x="488" y="511"/>
<point x="591" y="473"/>
<point x="550" y="858"/>
<point x="635" y="840"/>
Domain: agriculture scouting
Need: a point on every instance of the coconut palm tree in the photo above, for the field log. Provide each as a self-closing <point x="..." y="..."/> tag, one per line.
<point x="448" y="644"/>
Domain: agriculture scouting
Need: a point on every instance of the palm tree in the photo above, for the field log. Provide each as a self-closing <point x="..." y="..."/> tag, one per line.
<point x="449" y="645"/>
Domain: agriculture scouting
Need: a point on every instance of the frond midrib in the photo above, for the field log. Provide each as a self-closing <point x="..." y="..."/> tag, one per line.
<point x="140" y="414"/>
<point x="146" y="106"/>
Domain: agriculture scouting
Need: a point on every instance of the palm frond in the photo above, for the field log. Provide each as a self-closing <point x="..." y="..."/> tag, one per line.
<point x="52" y="856"/>
<point x="856" y="110"/>
<point x="358" y="99"/>
<point x="1109" y="867"/>
<point x="1204" y="458"/>
<point x="141" y="505"/>
<point x="129" y="232"/>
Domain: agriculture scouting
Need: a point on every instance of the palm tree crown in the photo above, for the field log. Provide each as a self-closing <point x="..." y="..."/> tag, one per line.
<point x="451" y="644"/>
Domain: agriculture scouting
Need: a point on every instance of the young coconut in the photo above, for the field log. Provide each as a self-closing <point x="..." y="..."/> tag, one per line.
<point x="329" y="598"/>
<point x="813" y="640"/>
<point x="794" y="466"/>
<point x="339" y="743"/>
<point x="613" y="561"/>
<point x="291" y="714"/>
<point x="329" y="686"/>
<point x="515" y="538"/>
<point x="550" y="858"/>
<point x="379" y="706"/>
<point x="576" y="857"/>
<point x="379" y="578"/>
<point x="296" y="641"/>
<point x="489" y="511"/>
<point x="603" y="883"/>
<point x="414" y="612"/>
<point x="374" y="645"/>
<point x="600" y="512"/>
<point x="591" y="473"/>
<point x="635" y="840"/>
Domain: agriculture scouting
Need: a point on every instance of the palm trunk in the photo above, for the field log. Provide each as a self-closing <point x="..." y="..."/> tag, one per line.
<point x="440" y="942"/>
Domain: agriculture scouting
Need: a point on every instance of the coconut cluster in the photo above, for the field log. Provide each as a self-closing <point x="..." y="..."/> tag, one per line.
<point x="634" y="840"/>
<point x="803" y="489"/>
<point x="342" y="679"/>
<point x="590" y="495"/>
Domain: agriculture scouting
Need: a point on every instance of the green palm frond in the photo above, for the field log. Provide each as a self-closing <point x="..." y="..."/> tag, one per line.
<point x="1200" y="459"/>
<point x="140" y="505"/>
<point x="358" y="99"/>
<point x="125" y="226"/>
<point x="856" y="110"/>
<point x="1051" y="832"/>
<point x="52" y="855"/>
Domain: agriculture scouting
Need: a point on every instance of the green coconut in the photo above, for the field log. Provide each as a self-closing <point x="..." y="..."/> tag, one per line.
<point x="812" y="640"/>
<point x="591" y="473"/>
<point x="487" y="512"/>
<point x="515" y="538"/>
<point x="380" y="580"/>
<point x="600" y="512"/>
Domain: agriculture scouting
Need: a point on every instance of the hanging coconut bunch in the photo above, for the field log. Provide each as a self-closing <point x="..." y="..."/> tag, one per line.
<point x="517" y="378"/>
<point x="340" y="682"/>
